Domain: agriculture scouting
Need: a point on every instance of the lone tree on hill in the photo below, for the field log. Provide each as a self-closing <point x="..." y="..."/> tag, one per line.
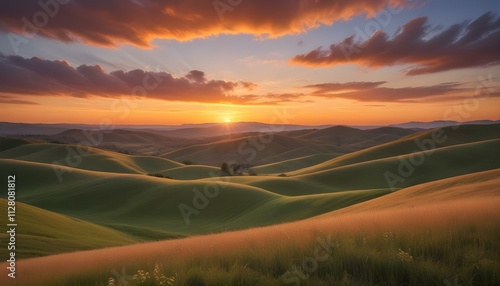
<point x="225" y="168"/>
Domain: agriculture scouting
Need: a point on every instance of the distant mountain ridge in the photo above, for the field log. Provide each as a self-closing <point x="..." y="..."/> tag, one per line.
<point x="211" y="129"/>
<point x="442" y="123"/>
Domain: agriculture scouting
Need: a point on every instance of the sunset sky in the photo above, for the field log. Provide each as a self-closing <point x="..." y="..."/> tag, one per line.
<point x="191" y="61"/>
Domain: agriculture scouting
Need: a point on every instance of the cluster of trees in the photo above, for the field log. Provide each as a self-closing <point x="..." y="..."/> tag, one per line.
<point x="159" y="175"/>
<point x="236" y="169"/>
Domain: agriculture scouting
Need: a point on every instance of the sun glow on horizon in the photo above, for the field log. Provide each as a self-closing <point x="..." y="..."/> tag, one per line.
<point x="227" y="120"/>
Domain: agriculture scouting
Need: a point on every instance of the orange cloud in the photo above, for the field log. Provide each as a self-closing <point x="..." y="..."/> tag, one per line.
<point x="372" y="92"/>
<point x="459" y="46"/>
<point x="249" y="85"/>
<point x="38" y="77"/>
<point x="137" y="22"/>
<point x="41" y="77"/>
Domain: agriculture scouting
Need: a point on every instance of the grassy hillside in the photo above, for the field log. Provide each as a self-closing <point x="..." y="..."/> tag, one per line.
<point x="89" y="159"/>
<point x="127" y="141"/>
<point x="442" y="163"/>
<point x="7" y="143"/>
<point x="247" y="150"/>
<point x="421" y="141"/>
<point x="112" y="136"/>
<point x="398" y="244"/>
<point x="112" y="191"/>
<point x="41" y="232"/>
<point x="148" y="207"/>
<point x="340" y="135"/>
<point x="484" y="184"/>
<point x="191" y="172"/>
<point x="294" y="164"/>
<point x="393" y="131"/>
<point x="355" y="139"/>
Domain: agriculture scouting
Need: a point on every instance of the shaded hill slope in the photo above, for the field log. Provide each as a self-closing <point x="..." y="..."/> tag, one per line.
<point x="88" y="159"/>
<point x="385" y="173"/>
<point x="421" y="141"/>
<point x="42" y="232"/>
<point x="485" y="184"/>
<point x="247" y="150"/>
<point x="150" y="208"/>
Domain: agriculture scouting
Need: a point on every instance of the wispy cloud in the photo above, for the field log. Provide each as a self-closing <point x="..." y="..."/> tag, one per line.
<point x="252" y="61"/>
<point x="5" y="99"/>
<point x="374" y="92"/>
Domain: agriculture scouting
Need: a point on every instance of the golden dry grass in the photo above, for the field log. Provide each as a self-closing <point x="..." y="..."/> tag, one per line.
<point x="466" y="187"/>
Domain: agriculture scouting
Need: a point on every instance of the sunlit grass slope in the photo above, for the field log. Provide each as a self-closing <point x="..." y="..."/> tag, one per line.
<point x="443" y="239"/>
<point x="442" y="163"/>
<point x="437" y="164"/>
<point x="470" y="186"/>
<point x="41" y="232"/>
<point x="421" y="141"/>
<point x="84" y="158"/>
<point x="293" y="164"/>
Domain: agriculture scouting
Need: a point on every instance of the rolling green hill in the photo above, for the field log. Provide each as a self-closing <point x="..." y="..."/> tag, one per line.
<point x="438" y="164"/>
<point x="126" y="141"/>
<point x="355" y="139"/>
<point x="149" y="207"/>
<point x="484" y="184"/>
<point x="114" y="194"/>
<point x="73" y="136"/>
<point x="41" y="232"/>
<point x="81" y="157"/>
<point x="7" y="143"/>
<point x="247" y="150"/>
<point x="421" y="141"/>
<point x="266" y="149"/>
<point x="191" y="172"/>
<point x="340" y="135"/>
<point x="294" y="164"/>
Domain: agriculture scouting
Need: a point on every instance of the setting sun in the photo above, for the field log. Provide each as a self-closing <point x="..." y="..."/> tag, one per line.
<point x="227" y="120"/>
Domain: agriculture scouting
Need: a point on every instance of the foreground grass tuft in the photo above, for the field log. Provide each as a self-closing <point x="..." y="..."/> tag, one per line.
<point x="144" y="278"/>
<point x="466" y="255"/>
